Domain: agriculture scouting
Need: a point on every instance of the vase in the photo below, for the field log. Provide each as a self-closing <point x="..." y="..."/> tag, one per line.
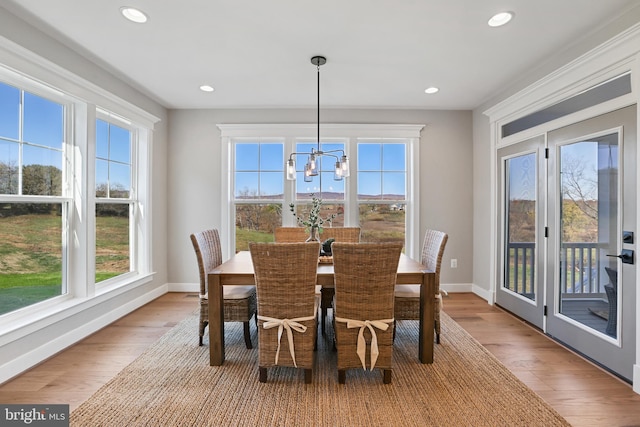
<point x="313" y="235"/>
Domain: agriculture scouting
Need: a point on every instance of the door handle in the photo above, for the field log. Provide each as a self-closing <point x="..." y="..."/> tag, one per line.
<point x="626" y="256"/>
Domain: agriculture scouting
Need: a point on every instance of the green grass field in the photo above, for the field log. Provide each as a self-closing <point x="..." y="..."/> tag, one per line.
<point x="31" y="250"/>
<point x="31" y="256"/>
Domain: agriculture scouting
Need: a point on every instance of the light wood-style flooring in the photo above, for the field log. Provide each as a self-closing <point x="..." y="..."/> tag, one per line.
<point x="581" y="392"/>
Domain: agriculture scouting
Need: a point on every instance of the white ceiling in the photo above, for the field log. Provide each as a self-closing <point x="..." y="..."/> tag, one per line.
<point x="380" y="53"/>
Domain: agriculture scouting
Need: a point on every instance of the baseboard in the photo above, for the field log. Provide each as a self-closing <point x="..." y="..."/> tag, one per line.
<point x="483" y="293"/>
<point x="46" y="350"/>
<point x="456" y="287"/>
<point x="184" y="287"/>
<point x="636" y="378"/>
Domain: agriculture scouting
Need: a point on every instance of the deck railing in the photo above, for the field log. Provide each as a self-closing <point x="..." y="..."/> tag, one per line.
<point x="580" y="269"/>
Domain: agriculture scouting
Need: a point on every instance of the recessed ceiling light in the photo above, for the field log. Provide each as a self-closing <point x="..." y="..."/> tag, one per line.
<point x="499" y="19"/>
<point x="206" y="88"/>
<point x="431" y="90"/>
<point x="133" y="14"/>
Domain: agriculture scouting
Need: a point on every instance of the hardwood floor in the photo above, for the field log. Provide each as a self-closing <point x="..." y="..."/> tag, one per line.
<point x="581" y="392"/>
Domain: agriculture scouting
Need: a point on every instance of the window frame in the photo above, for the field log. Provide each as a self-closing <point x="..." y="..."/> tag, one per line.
<point x="350" y="133"/>
<point x="131" y="201"/>
<point x="64" y="199"/>
<point x="82" y="102"/>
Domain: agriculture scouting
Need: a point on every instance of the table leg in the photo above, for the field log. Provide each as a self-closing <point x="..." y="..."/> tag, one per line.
<point x="427" y="318"/>
<point x="216" y="321"/>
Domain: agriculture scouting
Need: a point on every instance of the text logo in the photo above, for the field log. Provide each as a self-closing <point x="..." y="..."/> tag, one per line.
<point x="34" y="415"/>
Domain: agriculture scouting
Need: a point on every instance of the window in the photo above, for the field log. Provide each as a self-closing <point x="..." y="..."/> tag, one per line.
<point x="258" y="190"/>
<point x="114" y="199"/>
<point x="32" y="206"/>
<point x="379" y="196"/>
<point x="323" y="185"/>
<point x="382" y="194"/>
<point x="70" y="200"/>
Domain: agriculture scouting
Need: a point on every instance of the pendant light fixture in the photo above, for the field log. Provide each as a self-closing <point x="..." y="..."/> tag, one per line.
<point x="311" y="167"/>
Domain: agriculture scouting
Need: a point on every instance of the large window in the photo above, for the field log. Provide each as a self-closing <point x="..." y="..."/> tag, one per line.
<point x="258" y="190"/>
<point x="69" y="199"/>
<point x="382" y="190"/>
<point x="115" y="205"/>
<point x="380" y="195"/>
<point x="32" y="206"/>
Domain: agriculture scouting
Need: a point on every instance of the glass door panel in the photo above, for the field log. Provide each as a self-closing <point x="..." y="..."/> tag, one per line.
<point x="588" y="228"/>
<point x="592" y="193"/>
<point x="520" y="215"/>
<point x="520" y="225"/>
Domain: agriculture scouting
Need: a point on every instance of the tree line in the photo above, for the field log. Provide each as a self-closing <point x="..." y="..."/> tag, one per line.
<point x="46" y="180"/>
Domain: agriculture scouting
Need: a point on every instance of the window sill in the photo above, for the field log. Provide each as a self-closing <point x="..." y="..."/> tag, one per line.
<point x="33" y="318"/>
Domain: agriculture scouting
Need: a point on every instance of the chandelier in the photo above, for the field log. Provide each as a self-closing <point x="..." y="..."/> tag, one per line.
<point x="311" y="168"/>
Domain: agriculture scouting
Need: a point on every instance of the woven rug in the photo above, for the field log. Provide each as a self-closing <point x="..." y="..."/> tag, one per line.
<point x="172" y="384"/>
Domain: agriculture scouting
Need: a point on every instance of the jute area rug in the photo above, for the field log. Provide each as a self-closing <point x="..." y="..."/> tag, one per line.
<point x="172" y="384"/>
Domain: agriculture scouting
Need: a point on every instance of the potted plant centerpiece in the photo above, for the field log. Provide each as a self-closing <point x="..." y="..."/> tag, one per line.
<point x="314" y="221"/>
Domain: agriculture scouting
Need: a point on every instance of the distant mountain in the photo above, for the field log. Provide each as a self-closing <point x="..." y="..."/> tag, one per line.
<point x="329" y="195"/>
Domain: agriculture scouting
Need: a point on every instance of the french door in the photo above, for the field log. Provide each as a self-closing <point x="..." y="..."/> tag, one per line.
<point x="568" y="239"/>
<point x="522" y="179"/>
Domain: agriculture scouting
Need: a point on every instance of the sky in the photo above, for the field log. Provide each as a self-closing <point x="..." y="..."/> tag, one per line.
<point x="590" y="155"/>
<point x="42" y="131"/>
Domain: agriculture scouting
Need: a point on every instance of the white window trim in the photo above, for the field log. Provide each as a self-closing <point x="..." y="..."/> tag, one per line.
<point x="350" y="133"/>
<point x="33" y="73"/>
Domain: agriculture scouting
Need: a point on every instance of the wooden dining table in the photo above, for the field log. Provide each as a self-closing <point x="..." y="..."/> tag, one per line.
<point x="238" y="270"/>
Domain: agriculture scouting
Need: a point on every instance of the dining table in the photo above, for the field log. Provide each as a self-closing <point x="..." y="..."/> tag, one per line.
<point x="238" y="270"/>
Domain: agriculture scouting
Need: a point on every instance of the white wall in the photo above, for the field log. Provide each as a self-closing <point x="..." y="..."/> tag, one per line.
<point x="445" y="177"/>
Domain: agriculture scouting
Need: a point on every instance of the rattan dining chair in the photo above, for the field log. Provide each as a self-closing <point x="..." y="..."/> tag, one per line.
<point x="339" y="234"/>
<point x="285" y="275"/>
<point x="290" y="234"/>
<point x="365" y="277"/>
<point x="408" y="296"/>
<point x="239" y="301"/>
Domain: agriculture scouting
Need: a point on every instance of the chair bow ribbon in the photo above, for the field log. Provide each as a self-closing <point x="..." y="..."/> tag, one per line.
<point x="362" y="344"/>
<point x="288" y="325"/>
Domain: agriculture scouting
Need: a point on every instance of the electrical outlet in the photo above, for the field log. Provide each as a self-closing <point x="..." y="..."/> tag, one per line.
<point x="454" y="263"/>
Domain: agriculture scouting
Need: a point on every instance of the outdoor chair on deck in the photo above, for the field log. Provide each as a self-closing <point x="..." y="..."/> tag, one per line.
<point x="239" y="301"/>
<point x="365" y="277"/>
<point x="611" y="290"/>
<point x="407" y="304"/>
<point x="285" y="275"/>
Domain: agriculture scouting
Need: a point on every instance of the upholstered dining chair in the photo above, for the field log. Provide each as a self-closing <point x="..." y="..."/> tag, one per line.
<point x="365" y="277"/>
<point x="239" y="301"/>
<point x="407" y="304"/>
<point x="285" y="275"/>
